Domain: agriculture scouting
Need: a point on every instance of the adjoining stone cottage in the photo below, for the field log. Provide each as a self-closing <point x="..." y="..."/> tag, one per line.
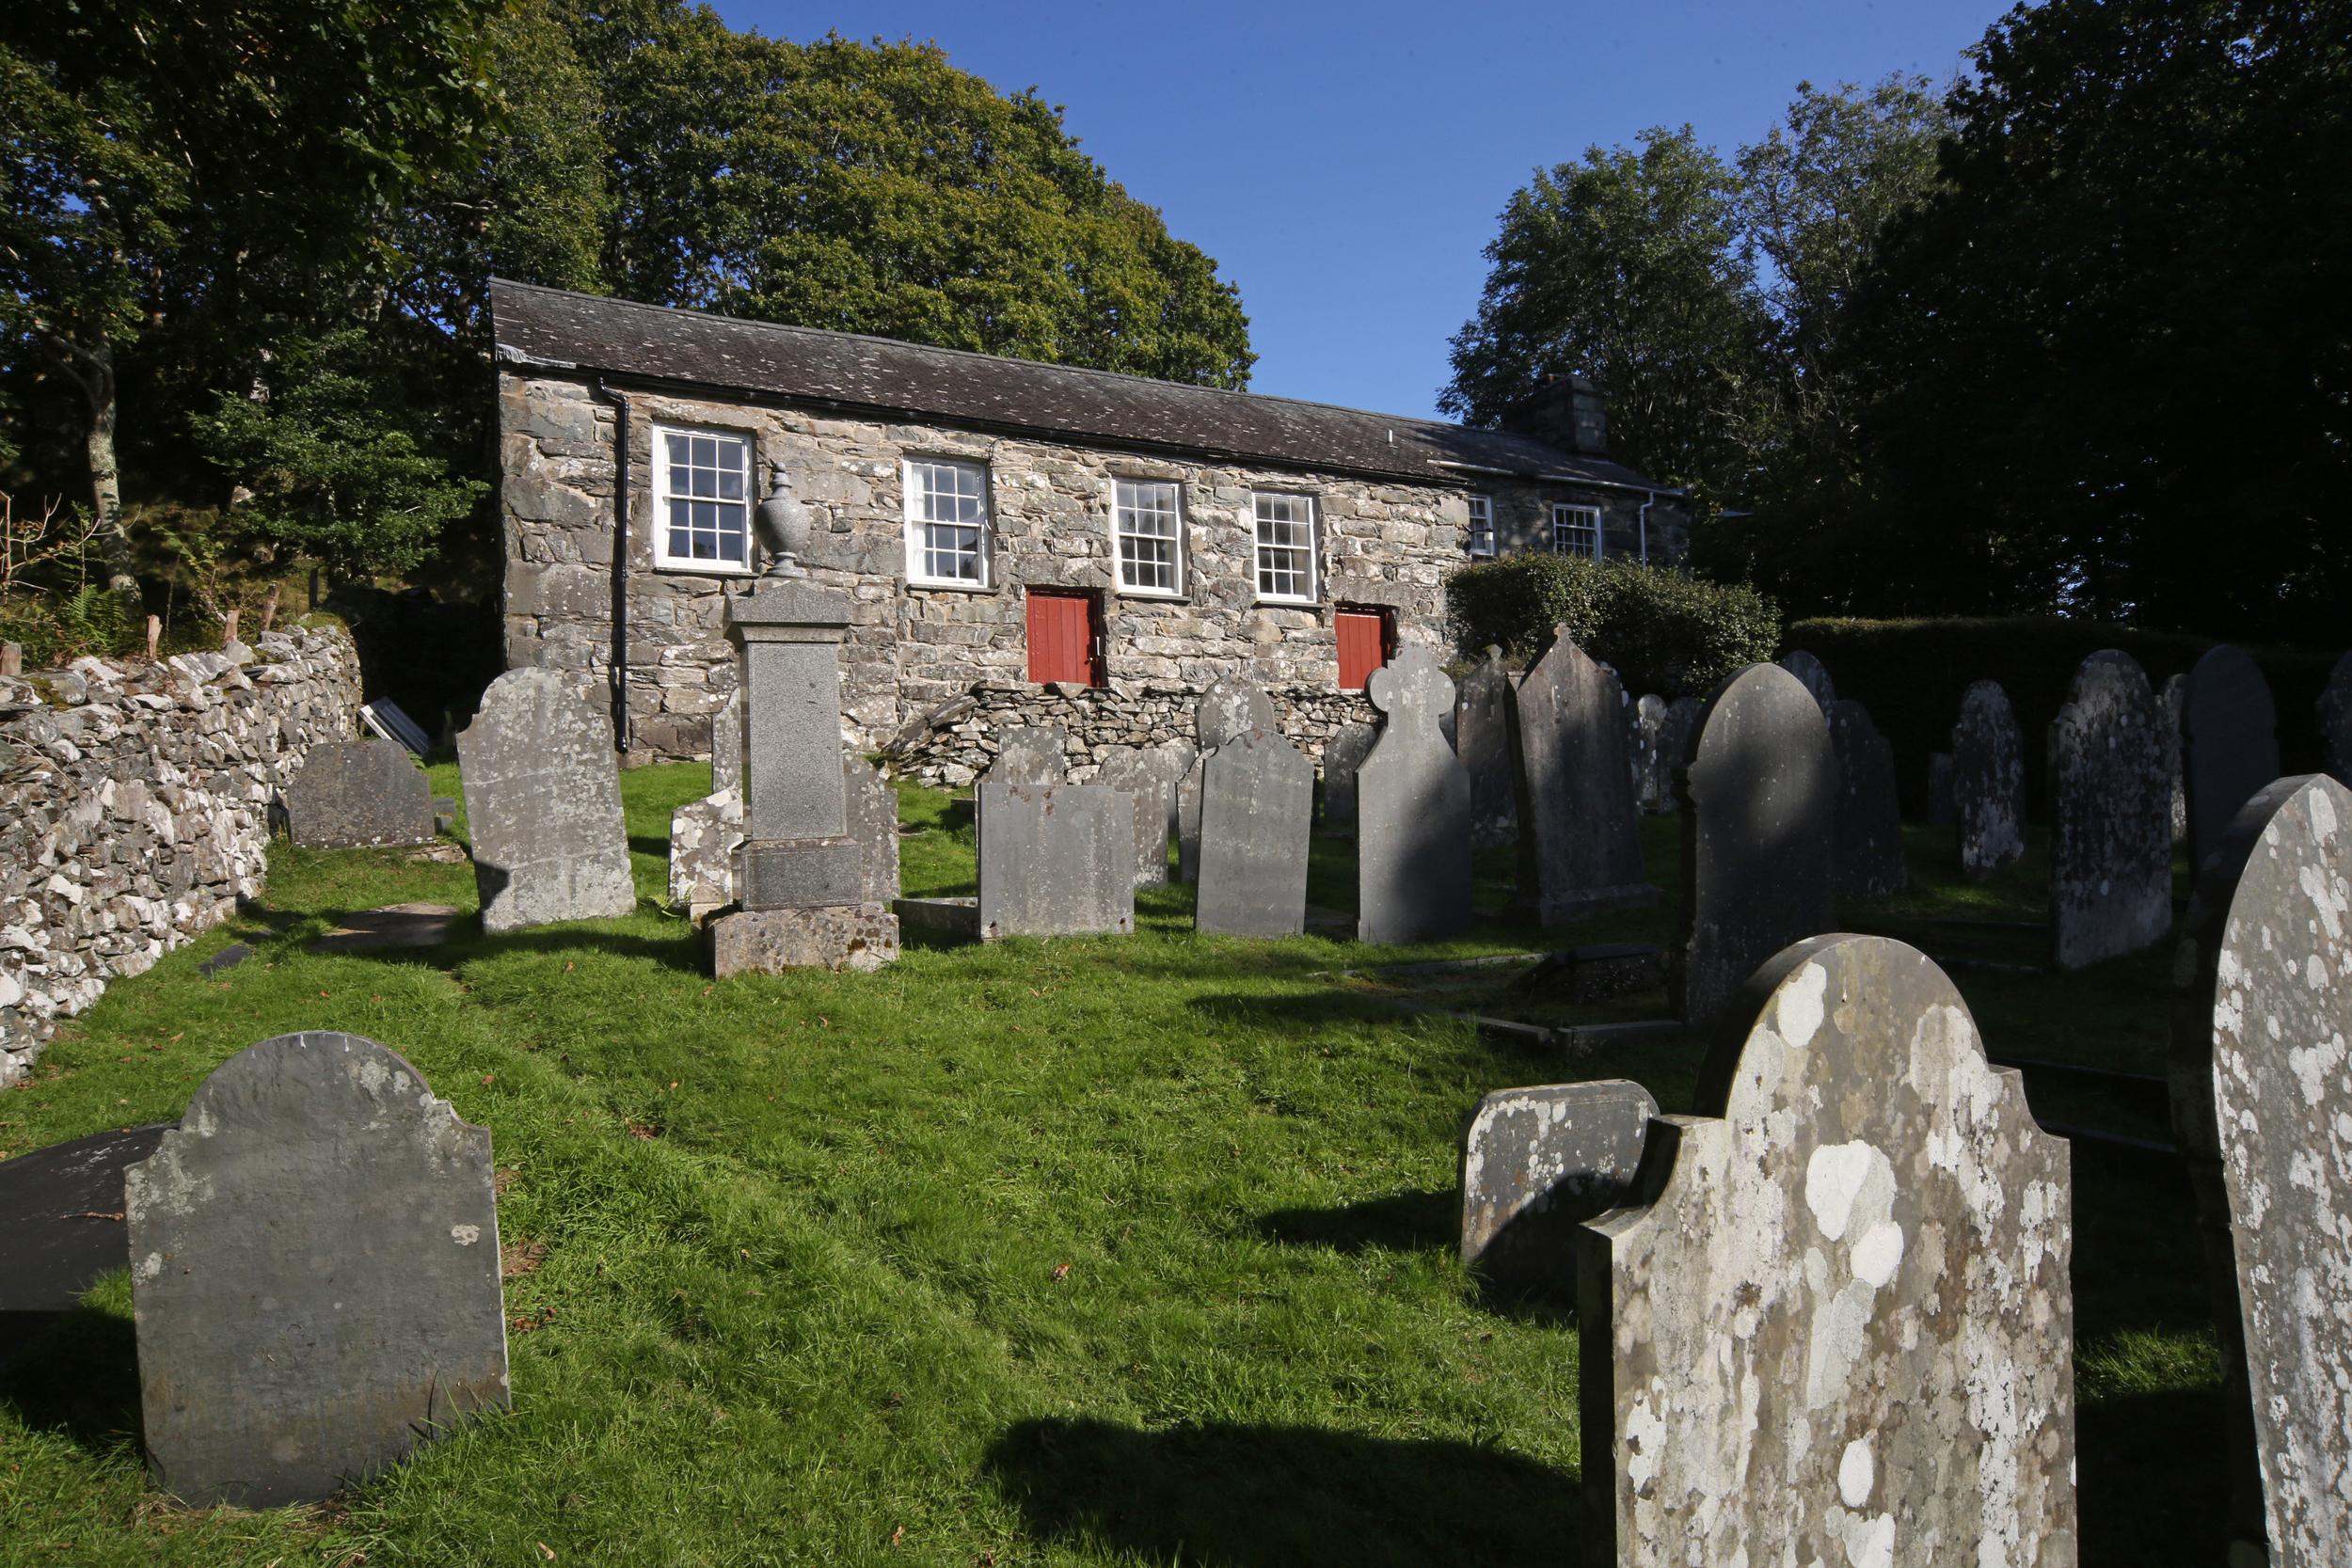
<point x="1021" y="542"/>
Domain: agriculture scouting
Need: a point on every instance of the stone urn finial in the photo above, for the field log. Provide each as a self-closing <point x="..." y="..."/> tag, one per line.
<point x="782" y="525"/>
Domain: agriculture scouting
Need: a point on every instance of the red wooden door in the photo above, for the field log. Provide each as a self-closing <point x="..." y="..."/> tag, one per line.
<point x="1364" y="643"/>
<point x="1061" y="637"/>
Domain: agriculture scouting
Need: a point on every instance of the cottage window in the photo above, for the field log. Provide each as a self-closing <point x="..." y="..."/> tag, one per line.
<point x="1286" y="547"/>
<point x="1482" y="525"/>
<point x="1576" y="529"/>
<point x="1146" y="526"/>
<point x="702" y="482"/>
<point x="946" y="524"/>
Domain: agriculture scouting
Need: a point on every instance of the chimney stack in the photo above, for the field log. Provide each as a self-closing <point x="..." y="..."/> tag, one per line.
<point x="1565" y="412"/>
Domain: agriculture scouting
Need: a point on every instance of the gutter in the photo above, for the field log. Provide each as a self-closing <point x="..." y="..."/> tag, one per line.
<point x="622" y="734"/>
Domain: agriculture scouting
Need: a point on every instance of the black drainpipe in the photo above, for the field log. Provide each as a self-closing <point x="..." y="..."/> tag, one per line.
<point x="619" y="404"/>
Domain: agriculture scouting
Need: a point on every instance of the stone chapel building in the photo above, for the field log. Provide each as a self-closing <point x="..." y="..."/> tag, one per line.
<point x="1105" y="542"/>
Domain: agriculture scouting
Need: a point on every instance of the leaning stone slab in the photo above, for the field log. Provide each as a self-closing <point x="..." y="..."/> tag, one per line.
<point x="1413" y="835"/>
<point x="1343" y="754"/>
<point x="543" y="804"/>
<point x="1837" y="1328"/>
<point x="1056" y="860"/>
<point x="1814" y="673"/>
<point x="1257" y="813"/>
<point x="2111" y="815"/>
<point x="2262" y="1097"/>
<point x="314" y="1270"/>
<point x="64" y="1218"/>
<point x="1150" y="776"/>
<point x="1869" y="820"/>
<point x="1030" y="753"/>
<point x="1758" y="800"/>
<point x="1537" y="1164"/>
<point x="1482" y="739"/>
<point x="1988" y="782"/>
<point x="2335" y="722"/>
<point x="1579" y="839"/>
<point x="352" y="794"/>
<point x="2229" y="744"/>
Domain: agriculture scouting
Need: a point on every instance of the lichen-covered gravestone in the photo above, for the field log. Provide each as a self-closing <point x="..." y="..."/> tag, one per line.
<point x="2229" y="743"/>
<point x="1868" y="828"/>
<point x="1841" y="1329"/>
<point x="1055" y="860"/>
<point x="2335" y="720"/>
<point x="1228" y="709"/>
<point x="1412" y="836"/>
<point x="1343" y="754"/>
<point x="1149" y="776"/>
<point x="1537" y="1164"/>
<point x="352" y="794"/>
<point x="1482" y="739"/>
<point x="727" y="746"/>
<point x="1814" y="673"/>
<point x="2262" y="1098"/>
<point x="1758" y="795"/>
<point x="1257" y="811"/>
<point x="2174" y="696"/>
<point x="314" y="1271"/>
<point x="1988" y="782"/>
<point x="1030" y="753"/>
<point x="2111" y="815"/>
<point x="1579" y="840"/>
<point x="543" y="804"/>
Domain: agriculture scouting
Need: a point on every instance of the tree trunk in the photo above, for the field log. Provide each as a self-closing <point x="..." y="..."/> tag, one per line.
<point x="105" y="473"/>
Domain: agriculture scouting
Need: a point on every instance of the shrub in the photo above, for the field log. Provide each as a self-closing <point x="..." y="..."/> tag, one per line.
<point x="1663" y="630"/>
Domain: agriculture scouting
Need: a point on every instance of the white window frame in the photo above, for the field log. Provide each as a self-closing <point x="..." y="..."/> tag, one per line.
<point x="1311" y="550"/>
<point x="1121" y="532"/>
<point x="1478" y="536"/>
<point x="664" y="559"/>
<point x="919" y="523"/>
<point x="1570" y="515"/>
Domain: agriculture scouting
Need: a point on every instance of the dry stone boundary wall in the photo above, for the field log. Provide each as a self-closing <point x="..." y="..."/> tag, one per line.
<point x="134" y="809"/>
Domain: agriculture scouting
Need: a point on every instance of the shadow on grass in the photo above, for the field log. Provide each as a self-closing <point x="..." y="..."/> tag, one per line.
<point x="75" y="1372"/>
<point x="683" y="952"/>
<point x="1269" y="1497"/>
<point x="1401" y="1222"/>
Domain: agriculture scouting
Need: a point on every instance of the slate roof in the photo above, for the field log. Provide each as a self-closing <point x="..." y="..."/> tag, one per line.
<point x="556" y="329"/>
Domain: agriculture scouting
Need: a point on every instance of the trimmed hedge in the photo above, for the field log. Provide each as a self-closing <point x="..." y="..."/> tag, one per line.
<point x="1910" y="675"/>
<point x="1663" y="630"/>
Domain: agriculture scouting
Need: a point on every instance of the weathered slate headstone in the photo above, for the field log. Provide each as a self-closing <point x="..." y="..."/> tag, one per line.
<point x="1030" y="753"/>
<point x="2174" y="696"/>
<point x="1482" y="737"/>
<point x="1257" y="811"/>
<point x="1343" y="754"/>
<point x="1988" y="782"/>
<point x="2111" y="815"/>
<point x="1843" y="1330"/>
<point x="1579" y="843"/>
<point x="2335" y="720"/>
<point x="1228" y="709"/>
<point x="1150" y="776"/>
<point x="1814" y="673"/>
<point x="1055" y="860"/>
<point x="1653" y="769"/>
<point x="1413" y="833"/>
<point x="1868" y="827"/>
<point x="726" y="745"/>
<point x="1760" y="797"/>
<point x="873" y="812"/>
<point x="2229" y="743"/>
<point x="1942" y="811"/>
<point x="543" y="804"/>
<point x="2262" y="1097"/>
<point x="314" y="1270"/>
<point x="64" y="1225"/>
<point x="1537" y="1164"/>
<point x="351" y="794"/>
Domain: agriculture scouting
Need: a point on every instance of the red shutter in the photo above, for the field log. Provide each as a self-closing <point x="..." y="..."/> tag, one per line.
<point x="1061" y="637"/>
<point x="1363" y="645"/>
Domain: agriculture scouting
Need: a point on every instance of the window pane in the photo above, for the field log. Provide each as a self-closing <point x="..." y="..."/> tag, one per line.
<point x="731" y="482"/>
<point x="682" y="449"/>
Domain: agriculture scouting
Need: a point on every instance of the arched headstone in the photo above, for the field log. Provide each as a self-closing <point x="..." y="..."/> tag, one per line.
<point x="1580" y="835"/>
<point x="543" y="804"/>
<point x="2111" y="815"/>
<point x="1537" y="1164"/>
<point x="1482" y="739"/>
<point x="1412" y="839"/>
<point x="1988" y="782"/>
<point x="1228" y="709"/>
<point x="1149" y="775"/>
<point x="2229" y="743"/>
<point x="1869" y="820"/>
<point x="1814" y="673"/>
<point x="1257" y="813"/>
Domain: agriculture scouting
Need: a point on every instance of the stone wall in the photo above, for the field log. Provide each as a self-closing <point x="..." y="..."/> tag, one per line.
<point x="134" y="809"/>
<point x="1381" y="543"/>
<point x="952" y="743"/>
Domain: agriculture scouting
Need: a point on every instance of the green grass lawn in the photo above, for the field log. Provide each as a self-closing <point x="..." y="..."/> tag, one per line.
<point x="1123" y="1250"/>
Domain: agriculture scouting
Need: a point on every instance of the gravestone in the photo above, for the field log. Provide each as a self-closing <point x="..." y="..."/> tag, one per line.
<point x="1581" y="845"/>
<point x="1413" y="833"/>
<point x="1653" y="768"/>
<point x="1150" y="776"/>
<point x="1758" y="796"/>
<point x="1537" y="1164"/>
<point x="1673" y="746"/>
<point x="351" y="794"/>
<point x="1343" y="754"/>
<point x="727" y="746"/>
<point x="1814" y="673"/>
<point x="543" y="804"/>
<point x="1988" y="782"/>
<point x="2262" y="1097"/>
<point x="314" y="1271"/>
<point x="1482" y="737"/>
<point x="1257" y="811"/>
<point x="706" y="835"/>
<point x="873" y="813"/>
<point x="2229" y="743"/>
<point x="1869" y="824"/>
<point x="1942" y="811"/>
<point x="2335" y="722"/>
<point x="1841" y="1329"/>
<point x="64" y="1225"/>
<point x="1055" y="860"/>
<point x="1228" y="709"/>
<point x="2174" y="695"/>
<point x="2111" y="815"/>
<point x="1030" y="753"/>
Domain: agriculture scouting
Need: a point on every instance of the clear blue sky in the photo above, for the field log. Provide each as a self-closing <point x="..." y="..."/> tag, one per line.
<point x="1346" y="162"/>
